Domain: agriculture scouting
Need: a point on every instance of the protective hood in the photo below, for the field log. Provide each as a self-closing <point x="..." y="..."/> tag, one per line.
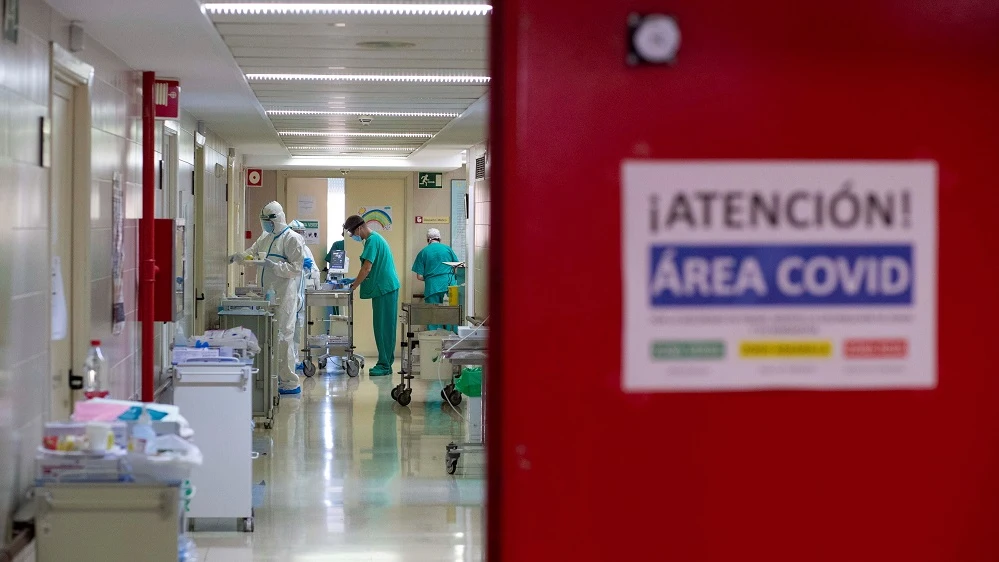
<point x="274" y="212"/>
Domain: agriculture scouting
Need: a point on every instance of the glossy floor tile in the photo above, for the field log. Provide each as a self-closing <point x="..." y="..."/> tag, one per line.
<point x="352" y="476"/>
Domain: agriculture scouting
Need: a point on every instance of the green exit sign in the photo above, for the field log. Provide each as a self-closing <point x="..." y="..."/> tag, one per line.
<point x="431" y="180"/>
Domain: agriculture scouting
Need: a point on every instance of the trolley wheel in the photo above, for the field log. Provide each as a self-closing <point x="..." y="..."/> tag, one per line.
<point x="405" y="397"/>
<point x="246" y="525"/>
<point x="451" y="463"/>
<point x="353" y="369"/>
<point x="444" y="394"/>
<point x="396" y="391"/>
<point x="455" y="397"/>
<point x="309" y="368"/>
<point x="322" y="364"/>
<point x="268" y="424"/>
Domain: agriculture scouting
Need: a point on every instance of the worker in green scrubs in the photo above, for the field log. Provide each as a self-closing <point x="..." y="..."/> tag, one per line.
<point x="379" y="282"/>
<point x="430" y="268"/>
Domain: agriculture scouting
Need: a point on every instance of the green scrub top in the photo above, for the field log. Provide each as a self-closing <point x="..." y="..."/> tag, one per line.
<point x="338" y="245"/>
<point x="382" y="279"/>
<point x="429" y="263"/>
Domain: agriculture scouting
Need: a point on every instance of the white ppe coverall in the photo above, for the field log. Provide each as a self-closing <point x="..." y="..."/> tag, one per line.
<point x="282" y="271"/>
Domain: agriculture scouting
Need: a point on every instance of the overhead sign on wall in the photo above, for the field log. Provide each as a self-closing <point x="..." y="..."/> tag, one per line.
<point x="254" y="177"/>
<point x="430" y="180"/>
<point x="167" y="97"/>
<point x="432" y="220"/>
<point x="311" y="232"/>
<point x="764" y="275"/>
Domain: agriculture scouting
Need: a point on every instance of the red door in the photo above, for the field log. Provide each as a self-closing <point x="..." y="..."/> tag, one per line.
<point x="581" y="470"/>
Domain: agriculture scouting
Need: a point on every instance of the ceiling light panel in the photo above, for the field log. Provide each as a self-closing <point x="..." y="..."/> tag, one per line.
<point x="354" y="134"/>
<point x="295" y="112"/>
<point x="355" y="148"/>
<point x="315" y="79"/>
<point x="269" y="8"/>
<point x="429" y="78"/>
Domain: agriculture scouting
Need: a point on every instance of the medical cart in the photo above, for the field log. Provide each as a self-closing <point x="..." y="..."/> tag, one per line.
<point x="110" y="522"/>
<point x="420" y="314"/>
<point x="467" y="351"/>
<point x="257" y="315"/>
<point x="335" y="292"/>
<point x="215" y="396"/>
<point x="332" y="346"/>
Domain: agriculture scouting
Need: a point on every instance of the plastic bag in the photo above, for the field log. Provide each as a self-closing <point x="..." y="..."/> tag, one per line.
<point x="470" y="382"/>
<point x="175" y="459"/>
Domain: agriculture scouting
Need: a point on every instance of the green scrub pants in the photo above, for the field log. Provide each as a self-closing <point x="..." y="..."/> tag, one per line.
<point x="385" y="314"/>
<point x="434" y="299"/>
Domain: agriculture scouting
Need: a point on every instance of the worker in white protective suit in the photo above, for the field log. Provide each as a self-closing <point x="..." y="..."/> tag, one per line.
<point x="310" y="280"/>
<point x="282" y="273"/>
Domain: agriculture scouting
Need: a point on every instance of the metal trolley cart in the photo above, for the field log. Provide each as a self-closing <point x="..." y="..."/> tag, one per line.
<point x="419" y="314"/>
<point x="257" y="315"/>
<point x="339" y="347"/>
<point x="470" y="350"/>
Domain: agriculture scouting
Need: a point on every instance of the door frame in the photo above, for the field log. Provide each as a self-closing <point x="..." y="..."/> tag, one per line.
<point x="198" y="200"/>
<point x="66" y="67"/>
<point x="171" y="209"/>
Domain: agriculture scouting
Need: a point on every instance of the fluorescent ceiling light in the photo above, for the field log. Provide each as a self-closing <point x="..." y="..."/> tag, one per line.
<point x="350" y="134"/>
<point x="355" y="148"/>
<point x="434" y="78"/>
<point x="270" y="8"/>
<point x="361" y="113"/>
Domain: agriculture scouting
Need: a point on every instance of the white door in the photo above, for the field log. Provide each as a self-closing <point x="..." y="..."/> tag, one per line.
<point x="61" y="239"/>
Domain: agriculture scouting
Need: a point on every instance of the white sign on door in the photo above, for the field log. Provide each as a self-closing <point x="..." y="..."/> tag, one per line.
<point x="779" y="275"/>
<point x="311" y="232"/>
<point x="306" y="206"/>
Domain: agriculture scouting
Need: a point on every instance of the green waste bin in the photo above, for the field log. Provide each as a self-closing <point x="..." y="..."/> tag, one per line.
<point x="470" y="382"/>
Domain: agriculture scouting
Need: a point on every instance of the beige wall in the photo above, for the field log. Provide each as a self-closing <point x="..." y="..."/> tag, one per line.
<point x="427" y="203"/>
<point x="370" y="193"/>
<point x="256" y="198"/>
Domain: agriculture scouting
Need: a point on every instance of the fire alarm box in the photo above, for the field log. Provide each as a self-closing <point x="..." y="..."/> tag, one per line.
<point x="170" y="270"/>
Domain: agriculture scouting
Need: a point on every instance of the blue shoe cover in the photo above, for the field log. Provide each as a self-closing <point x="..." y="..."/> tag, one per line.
<point x="296" y="390"/>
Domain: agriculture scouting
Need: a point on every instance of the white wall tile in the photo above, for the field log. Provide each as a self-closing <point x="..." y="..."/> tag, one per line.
<point x="24" y="243"/>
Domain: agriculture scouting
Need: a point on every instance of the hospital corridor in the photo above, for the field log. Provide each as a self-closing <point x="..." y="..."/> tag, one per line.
<point x="498" y="281"/>
<point x="348" y="474"/>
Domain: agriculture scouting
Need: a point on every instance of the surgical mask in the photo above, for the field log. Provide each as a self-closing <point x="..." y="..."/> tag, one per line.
<point x="356" y="238"/>
<point x="268" y="226"/>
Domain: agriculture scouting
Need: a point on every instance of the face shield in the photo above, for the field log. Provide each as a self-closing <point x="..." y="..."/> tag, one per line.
<point x="267" y="221"/>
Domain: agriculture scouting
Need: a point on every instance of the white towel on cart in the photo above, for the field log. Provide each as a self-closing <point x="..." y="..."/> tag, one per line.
<point x="238" y="337"/>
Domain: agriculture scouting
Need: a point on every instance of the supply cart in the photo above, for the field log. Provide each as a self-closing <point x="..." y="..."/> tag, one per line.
<point x="214" y="396"/>
<point x="420" y="314"/>
<point x="113" y="506"/>
<point x="332" y="346"/>
<point x="470" y="349"/>
<point x="109" y="522"/>
<point x="257" y="315"/>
